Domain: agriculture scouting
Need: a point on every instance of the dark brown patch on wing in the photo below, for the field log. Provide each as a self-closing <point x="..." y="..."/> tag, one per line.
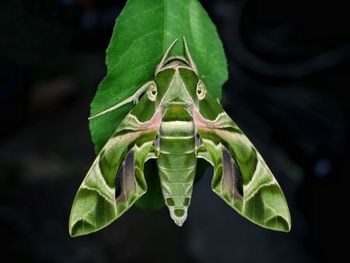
<point x="231" y="175"/>
<point x="125" y="181"/>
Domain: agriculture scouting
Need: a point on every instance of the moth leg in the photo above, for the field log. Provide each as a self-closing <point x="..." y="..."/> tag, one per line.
<point x="201" y="151"/>
<point x="134" y="98"/>
<point x="189" y="57"/>
<point x="166" y="55"/>
<point x="204" y="154"/>
<point x="154" y="152"/>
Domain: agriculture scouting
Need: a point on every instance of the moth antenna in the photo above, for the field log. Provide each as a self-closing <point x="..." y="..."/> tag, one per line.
<point x="189" y="57"/>
<point x="134" y="98"/>
<point x="166" y="55"/>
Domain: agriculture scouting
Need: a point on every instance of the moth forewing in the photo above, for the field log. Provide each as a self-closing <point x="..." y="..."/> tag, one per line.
<point x="103" y="197"/>
<point x="241" y="176"/>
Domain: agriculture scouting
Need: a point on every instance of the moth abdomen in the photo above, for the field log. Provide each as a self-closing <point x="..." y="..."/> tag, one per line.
<point x="177" y="162"/>
<point x="177" y="186"/>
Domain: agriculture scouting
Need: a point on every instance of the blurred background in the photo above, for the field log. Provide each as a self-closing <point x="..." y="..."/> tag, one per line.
<point x="289" y="76"/>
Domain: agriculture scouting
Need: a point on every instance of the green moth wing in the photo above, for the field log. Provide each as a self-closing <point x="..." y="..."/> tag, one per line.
<point x="115" y="180"/>
<point x="241" y="177"/>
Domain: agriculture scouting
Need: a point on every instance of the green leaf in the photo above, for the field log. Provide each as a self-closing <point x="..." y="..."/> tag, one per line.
<point x="143" y="31"/>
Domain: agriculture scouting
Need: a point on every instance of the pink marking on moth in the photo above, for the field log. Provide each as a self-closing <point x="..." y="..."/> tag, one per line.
<point x="202" y="123"/>
<point x="208" y="125"/>
<point x="154" y="123"/>
<point x="150" y="126"/>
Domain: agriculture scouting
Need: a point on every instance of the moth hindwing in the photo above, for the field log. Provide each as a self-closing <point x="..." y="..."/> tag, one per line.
<point x="175" y="121"/>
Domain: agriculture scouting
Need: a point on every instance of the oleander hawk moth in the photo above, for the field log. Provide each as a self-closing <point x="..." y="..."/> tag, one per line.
<point x="175" y="121"/>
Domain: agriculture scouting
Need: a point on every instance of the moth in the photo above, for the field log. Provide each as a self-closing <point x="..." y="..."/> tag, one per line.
<point x="176" y="121"/>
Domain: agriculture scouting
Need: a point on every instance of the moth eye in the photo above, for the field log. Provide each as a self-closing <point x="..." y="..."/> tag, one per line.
<point x="152" y="92"/>
<point x="201" y="90"/>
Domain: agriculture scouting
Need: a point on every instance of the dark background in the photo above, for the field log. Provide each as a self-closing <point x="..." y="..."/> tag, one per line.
<point x="289" y="76"/>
